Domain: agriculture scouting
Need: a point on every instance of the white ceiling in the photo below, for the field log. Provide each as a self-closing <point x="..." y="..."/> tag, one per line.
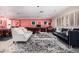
<point x="30" y="11"/>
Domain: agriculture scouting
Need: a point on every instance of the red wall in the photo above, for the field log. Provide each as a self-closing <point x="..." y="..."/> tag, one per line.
<point x="28" y="22"/>
<point x="24" y="22"/>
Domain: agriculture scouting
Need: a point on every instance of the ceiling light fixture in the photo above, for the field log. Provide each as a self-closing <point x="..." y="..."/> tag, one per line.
<point x="41" y="11"/>
<point x="37" y="6"/>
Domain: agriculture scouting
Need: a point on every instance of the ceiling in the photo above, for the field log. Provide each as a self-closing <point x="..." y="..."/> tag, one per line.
<point x="30" y="11"/>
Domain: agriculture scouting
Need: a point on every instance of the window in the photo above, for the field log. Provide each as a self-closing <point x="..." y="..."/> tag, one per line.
<point x="33" y="22"/>
<point x="67" y="20"/>
<point x="58" y="22"/>
<point x="62" y="21"/>
<point x="45" y="22"/>
<point x="77" y="18"/>
<point x="71" y="19"/>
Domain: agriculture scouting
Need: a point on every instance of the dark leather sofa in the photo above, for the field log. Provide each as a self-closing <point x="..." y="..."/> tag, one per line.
<point x="72" y="38"/>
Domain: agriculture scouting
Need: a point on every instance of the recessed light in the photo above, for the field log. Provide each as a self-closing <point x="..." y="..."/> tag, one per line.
<point x="18" y="13"/>
<point x="41" y="11"/>
<point x="37" y="6"/>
